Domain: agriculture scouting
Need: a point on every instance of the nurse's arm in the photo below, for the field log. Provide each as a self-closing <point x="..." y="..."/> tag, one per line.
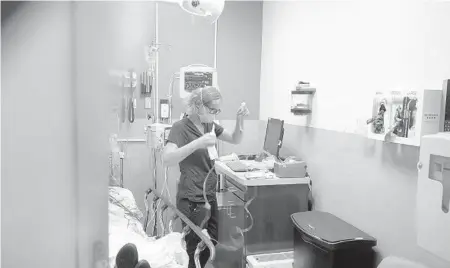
<point x="234" y="137"/>
<point x="172" y="155"/>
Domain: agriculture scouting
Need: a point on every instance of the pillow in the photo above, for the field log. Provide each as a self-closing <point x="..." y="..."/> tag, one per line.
<point x="124" y="198"/>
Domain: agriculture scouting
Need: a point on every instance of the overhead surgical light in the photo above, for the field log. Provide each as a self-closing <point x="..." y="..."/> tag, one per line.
<point x="210" y="9"/>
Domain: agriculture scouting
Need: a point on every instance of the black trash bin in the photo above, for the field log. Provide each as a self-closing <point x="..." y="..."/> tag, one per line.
<point x="322" y="240"/>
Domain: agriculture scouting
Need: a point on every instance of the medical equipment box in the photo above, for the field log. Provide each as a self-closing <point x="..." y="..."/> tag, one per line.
<point x="322" y="240"/>
<point x="272" y="260"/>
<point x="157" y="135"/>
<point x="294" y="169"/>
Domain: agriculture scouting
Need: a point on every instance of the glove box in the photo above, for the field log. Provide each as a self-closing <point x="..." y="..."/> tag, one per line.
<point x="293" y="169"/>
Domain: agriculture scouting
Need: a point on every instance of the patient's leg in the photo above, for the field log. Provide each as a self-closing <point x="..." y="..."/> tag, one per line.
<point x="127" y="257"/>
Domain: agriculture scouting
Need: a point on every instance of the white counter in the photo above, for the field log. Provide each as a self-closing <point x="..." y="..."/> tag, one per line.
<point x="242" y="177"/>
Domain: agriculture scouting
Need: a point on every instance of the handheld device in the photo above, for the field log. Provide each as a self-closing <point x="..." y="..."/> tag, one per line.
<point x="212" y="151"/>
<point x="241" y="123"/>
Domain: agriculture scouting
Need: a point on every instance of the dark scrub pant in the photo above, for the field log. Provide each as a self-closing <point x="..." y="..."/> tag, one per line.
<point x="196" y="213"/>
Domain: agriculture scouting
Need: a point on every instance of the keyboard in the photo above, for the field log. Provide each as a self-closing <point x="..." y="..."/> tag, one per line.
<point x="237" y="166"/>
<point x="247" y="157"/>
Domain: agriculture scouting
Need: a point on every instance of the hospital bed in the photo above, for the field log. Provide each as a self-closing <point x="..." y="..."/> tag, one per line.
<point x="127" y="224"/>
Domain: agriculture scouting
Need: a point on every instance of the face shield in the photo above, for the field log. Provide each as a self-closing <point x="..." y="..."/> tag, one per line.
<point x="207" y="114"/>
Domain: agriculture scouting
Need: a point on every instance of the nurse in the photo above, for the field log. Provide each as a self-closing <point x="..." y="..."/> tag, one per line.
<point x="187" y="146"/>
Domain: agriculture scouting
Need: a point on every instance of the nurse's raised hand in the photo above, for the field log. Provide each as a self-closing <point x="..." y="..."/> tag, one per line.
<point x="242" y="111"/>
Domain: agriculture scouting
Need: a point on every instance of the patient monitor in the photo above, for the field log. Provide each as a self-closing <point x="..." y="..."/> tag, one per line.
<point x="433" y="195"/>
<point x="194" y="76"/>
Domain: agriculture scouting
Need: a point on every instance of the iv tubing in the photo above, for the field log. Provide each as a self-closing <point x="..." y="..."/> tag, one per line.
<point x="155" y="205"/>
<point x="208" y="215"/>
<point x="207" y="204"/>
<point x="165" y="187"/>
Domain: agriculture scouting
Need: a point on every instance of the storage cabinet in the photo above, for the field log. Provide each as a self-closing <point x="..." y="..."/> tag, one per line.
<point x="263" y="213"/>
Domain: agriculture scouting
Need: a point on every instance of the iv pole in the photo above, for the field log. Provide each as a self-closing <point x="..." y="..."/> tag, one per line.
<point x="156" y="107"/>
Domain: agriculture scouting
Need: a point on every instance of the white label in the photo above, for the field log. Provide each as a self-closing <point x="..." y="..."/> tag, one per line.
<point x="148" y="103"/>
<point x="430" y="117"/>
<point x="212" y="153"/>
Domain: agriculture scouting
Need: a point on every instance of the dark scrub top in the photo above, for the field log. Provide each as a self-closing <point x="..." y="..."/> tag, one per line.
<point x="196" y="166"/>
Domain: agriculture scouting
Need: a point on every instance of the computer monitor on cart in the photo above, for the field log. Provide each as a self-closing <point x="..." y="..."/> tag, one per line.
<point x="274" y="137"/>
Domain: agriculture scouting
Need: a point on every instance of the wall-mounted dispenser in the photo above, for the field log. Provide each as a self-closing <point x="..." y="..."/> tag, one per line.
<point x="405" y="116"/>
<point x="302" y="99"/>
<point x="380" y="117"/>
<point x="433" y="195"/>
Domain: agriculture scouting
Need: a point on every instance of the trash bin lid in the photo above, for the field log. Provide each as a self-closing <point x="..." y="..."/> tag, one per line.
<point x="329" y="231"/>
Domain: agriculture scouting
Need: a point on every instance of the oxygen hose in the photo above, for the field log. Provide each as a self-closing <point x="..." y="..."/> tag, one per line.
<point x="208" y="216"/>
<point x="238" y="237"/>
<point x="207" y="204"/>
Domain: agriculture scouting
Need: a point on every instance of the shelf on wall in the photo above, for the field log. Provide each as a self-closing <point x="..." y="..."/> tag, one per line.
<point x="300" y="111"/>
<point x="132" y="140"/>
<point x="304" y="91"/>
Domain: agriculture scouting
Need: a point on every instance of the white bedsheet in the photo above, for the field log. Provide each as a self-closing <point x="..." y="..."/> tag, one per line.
<point x="166" y="252"/>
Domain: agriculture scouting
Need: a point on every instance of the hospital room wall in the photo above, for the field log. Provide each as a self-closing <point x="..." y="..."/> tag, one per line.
<point x="56" y="98"/>
<point x="239" y="57"/>
<point x="38" y="149"/>
<point x="349" y="49"/>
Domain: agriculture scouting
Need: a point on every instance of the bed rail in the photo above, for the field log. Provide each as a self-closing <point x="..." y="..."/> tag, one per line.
<point x="190" y="226"/>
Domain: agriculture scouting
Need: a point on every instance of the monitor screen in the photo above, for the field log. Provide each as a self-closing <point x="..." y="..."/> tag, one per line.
<point x="274" y="136"/>
<point x="194" y="80"/>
